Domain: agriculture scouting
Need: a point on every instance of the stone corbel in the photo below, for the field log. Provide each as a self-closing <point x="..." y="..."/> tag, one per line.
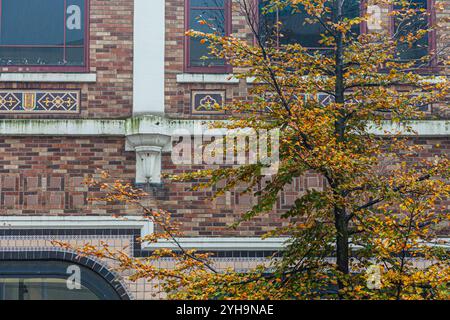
<point x="149" y="149"/>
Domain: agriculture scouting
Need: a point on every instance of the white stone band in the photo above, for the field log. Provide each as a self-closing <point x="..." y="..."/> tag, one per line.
<point x="76" y="222"/>
<point x="49" y="77"/>
<point x="165" y="126"/>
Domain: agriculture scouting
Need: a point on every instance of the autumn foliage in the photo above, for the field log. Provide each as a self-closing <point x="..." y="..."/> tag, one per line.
<point x="373" y="232"/>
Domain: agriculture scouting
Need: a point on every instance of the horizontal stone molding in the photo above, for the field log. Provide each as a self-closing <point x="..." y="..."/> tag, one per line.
<point x="244" y="244"/>
<point x="233" y="79"/>
<point x="67" y="127"/>
<point x="76" y="222"/>
<point x="207" y="78"/>
<point x="49" y="77"/>
<point x="430" y="128"/>
<point x="235" y="244"/>
<point x="155" y="125"/>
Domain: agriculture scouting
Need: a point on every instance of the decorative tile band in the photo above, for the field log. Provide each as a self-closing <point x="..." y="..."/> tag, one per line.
<point x="36" y="101"/>
<point x="208" y="102"/>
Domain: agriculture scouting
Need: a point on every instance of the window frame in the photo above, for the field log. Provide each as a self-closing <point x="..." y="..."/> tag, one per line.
<point x="187" y="41"/>
<point x="66" y="69"/>
<point x="361" y="25"/>
<point x="432" y="39"/>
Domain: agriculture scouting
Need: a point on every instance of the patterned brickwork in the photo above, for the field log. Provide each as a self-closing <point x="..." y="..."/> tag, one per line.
<point x="202" y="217"/>
<point x="42" y="176"/>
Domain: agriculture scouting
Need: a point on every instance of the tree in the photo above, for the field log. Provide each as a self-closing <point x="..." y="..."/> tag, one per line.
<point x="381" y="209"/>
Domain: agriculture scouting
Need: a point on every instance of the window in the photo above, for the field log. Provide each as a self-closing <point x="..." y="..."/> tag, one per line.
<point x="295" y="27"/>
<point x="44" y="34"/>
<point x="217" y="14"/>
<point x="400" y="27"/>
<point x="421" y="21"/>
<point x="47" y="280"/>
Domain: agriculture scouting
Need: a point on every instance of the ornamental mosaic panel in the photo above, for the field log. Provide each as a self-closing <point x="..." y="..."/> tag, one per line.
<point x="207" y="102"/>
<point x="37" y="101"/>
<point x="325" y="99"/>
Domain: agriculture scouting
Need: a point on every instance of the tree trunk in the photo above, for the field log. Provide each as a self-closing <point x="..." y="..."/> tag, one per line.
<point x="342" y="242"/>
<point x="342" y="248"/>
<point x="342" y="238"/>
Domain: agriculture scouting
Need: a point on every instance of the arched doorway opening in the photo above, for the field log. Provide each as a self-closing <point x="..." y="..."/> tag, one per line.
<point x="40" y="279"/>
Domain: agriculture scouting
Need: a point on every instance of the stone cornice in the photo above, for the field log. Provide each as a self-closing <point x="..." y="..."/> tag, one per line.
<point x="151" y="125"/>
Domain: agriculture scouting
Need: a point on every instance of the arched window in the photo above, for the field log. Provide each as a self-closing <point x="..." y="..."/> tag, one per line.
<point x="52" y="280"/>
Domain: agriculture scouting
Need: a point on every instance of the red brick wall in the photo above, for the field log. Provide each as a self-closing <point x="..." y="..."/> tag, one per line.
<point x="111" y="58"/>
<point x="202" y="217"/>
<point x="44" y="176"/>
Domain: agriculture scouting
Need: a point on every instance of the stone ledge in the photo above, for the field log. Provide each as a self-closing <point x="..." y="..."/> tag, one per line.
<point x="243" y="244"/>
<point x="253" y="244"/>
<point x="206" y="78"/>
<point x="49" y="77"/>
<point x="76" y="222"/>
<point x="151" y="125"/>
<point x="67" y="127"/>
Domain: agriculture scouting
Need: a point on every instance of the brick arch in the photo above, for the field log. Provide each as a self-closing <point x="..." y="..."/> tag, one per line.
<point x="95" y="266"/>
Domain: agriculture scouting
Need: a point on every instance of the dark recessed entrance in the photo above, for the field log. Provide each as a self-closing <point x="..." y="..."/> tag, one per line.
<point x="52" y="280"/>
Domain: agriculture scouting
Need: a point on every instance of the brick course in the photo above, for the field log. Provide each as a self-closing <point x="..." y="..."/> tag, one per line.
<point x="202" y="217"/>
<point x="44" y="176"/>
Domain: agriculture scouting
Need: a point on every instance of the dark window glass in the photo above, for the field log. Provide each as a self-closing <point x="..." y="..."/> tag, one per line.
<point x="296" y="29"/>
<point x="413" y="24"/>
<point x="42" y="32"/>
<point x="214" y="13"/>
<point x="43" y="280"/>
<point x="208" y="3"/>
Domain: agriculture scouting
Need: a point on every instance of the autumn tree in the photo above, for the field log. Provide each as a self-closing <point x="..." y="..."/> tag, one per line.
<point x="381" y="209"/>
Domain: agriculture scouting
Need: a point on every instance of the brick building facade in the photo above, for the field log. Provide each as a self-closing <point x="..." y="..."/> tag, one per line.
<point x="110" y="99"/>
